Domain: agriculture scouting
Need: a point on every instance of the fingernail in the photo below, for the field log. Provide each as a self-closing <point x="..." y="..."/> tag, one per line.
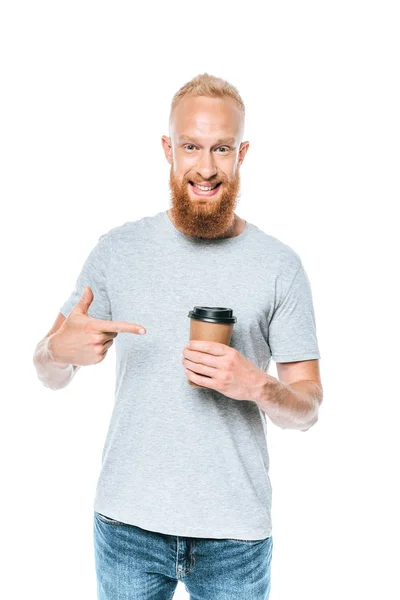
<point x="142" y="331"/>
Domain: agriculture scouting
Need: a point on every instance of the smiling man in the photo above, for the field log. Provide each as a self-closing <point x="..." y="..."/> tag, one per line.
<point x="184" y="492"/>
<point x="205" y="152"/>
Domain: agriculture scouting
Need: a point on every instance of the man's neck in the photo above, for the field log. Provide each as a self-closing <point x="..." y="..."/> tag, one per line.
<point x="238" y="226"/>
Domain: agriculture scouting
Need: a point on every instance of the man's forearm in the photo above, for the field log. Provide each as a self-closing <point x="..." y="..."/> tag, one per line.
<point x="52" y="374"/>
<point x="291" y="406"/>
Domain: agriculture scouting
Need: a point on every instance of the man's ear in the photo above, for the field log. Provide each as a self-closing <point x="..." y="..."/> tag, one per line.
<point x="244" y="146"/>
<point x="167" y="146"/>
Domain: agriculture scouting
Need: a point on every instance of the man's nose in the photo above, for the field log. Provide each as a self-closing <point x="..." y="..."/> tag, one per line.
<point x="206" y="166"/>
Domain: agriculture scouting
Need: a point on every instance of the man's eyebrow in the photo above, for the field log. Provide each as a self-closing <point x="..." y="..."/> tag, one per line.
<point x="188" y="138"/>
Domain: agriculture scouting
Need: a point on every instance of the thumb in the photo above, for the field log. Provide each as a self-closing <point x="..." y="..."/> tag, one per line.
<point x="85" y="300"/>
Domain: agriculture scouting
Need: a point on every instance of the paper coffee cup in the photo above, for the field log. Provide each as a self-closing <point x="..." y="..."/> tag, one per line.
<point x="211" y="323"/>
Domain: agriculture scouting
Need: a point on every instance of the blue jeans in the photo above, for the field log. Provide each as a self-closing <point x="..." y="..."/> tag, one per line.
<point x="134" y="563"/>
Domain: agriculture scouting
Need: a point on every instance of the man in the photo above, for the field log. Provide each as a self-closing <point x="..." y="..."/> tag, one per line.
<point x="184" y="492"/>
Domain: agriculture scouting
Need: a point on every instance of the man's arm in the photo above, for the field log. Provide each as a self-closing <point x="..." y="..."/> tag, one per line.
<point x="51" y="373"/>
<point x="293" y="402"/>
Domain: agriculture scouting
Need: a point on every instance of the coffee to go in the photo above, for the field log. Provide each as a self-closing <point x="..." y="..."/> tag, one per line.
<point x="211" y="323"/>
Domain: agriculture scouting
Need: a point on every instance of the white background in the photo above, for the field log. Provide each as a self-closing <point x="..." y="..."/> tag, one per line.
<point x="86" y="90"/>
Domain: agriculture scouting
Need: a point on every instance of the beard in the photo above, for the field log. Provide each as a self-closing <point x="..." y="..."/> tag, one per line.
<point x="204" y="217"/>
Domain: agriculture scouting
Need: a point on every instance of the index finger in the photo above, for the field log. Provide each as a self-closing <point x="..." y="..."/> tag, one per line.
<point x="207" y="346"/>
<point x="116" y="326"/>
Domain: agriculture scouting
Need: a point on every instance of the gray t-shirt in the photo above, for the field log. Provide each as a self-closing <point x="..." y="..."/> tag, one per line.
<point x="177" y="459"/>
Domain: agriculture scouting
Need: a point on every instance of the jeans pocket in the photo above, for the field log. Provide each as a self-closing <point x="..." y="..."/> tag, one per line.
<point x="108" y="520"/>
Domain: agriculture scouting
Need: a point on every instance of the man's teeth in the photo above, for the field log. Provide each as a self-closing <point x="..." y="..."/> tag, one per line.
<point x="203" y="188"/>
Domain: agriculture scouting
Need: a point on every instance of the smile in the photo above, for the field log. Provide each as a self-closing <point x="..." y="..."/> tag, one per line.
<point x="201" y="190"/>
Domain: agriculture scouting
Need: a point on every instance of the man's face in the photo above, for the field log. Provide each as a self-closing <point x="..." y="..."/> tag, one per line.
<point x="205" y="149"/>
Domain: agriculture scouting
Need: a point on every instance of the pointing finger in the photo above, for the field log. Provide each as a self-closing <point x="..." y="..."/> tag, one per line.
<point x="117" y="327"/>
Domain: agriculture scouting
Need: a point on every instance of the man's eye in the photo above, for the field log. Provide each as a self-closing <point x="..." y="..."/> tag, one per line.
<point x="224" y="148"/>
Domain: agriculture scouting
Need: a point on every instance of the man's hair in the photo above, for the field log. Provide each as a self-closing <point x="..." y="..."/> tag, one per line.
<point x="207" y="85"/>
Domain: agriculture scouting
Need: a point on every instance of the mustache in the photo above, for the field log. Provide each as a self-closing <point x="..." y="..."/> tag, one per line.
<point x="219" y="178"/>
<point x="213" y="181"/>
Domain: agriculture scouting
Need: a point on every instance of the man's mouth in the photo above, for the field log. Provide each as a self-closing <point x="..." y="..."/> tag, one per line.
<point x="202" y="190"/>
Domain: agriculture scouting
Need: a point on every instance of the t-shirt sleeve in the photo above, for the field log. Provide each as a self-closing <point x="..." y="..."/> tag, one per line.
<point x="94" y="274"/>
<point x="292" y="334"/>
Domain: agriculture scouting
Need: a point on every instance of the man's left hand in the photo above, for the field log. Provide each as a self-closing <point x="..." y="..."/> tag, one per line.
<point x="224" y="369"/>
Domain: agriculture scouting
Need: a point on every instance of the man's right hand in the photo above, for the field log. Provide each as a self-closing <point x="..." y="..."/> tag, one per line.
<point x="82" y="340"/>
